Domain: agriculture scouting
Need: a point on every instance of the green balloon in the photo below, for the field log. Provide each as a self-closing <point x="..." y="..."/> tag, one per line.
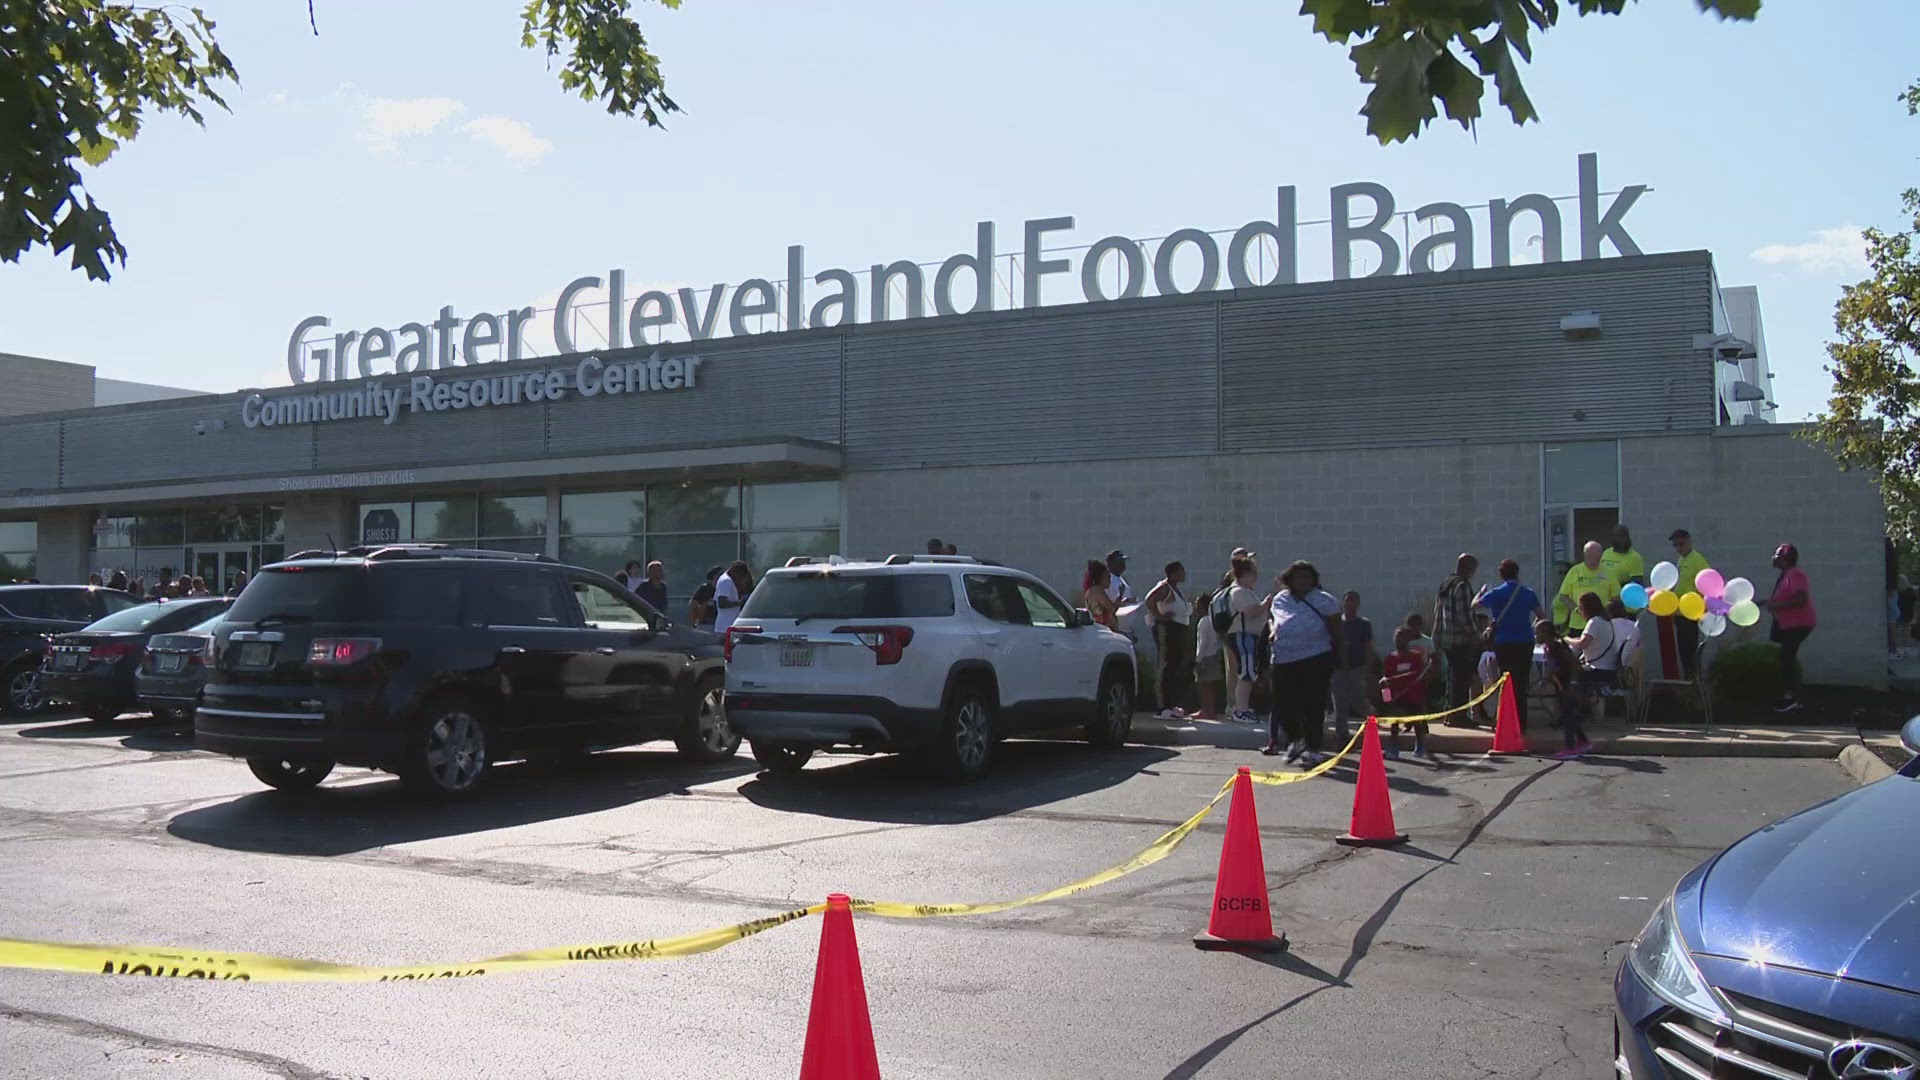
<point x="1744" y="613"/>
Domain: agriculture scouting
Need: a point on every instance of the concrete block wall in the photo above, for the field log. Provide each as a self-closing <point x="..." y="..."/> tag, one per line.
<point x="1742" y="492"/>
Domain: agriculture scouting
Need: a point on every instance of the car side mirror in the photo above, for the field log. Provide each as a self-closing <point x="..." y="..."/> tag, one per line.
<point x="1082" y="617"/>
<point x="1910" y="736"/>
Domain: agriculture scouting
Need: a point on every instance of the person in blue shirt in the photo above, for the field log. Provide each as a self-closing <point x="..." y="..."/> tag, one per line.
<point x="1515" y="608"/>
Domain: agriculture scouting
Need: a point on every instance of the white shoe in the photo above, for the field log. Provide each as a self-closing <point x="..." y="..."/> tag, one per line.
<point x="1168" y="714"/>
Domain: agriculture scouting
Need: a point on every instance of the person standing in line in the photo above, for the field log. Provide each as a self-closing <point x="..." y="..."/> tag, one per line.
<point x="950" y="549"/>
<point x="1454" y="633"/>
<point x="700" y="609"/>
<point x="1223" y="595"/>
<point x="94" y="579"/>
<point x="134" y="587"/>
<point x="729" y="594"/>
<point x="1170" y="612"/>
<point x="1403" y="690"/>
<point x="118" y="580"/>
<point x="1096" y="599"/>
<point x="1209" y="659"/>
<point x="1686" y="632"/>
<point x="1117" y="566"/>
<point x="1586" y="576"/>
<point x="1515" y="609"/>
<point x="936" y="547"/>
<point x="1623" y="564"/>
<point x="1563" y="674"/>
<point x="1791" y="602"/>
<point x="239" y="583"/>
<point x="1243" y="636"/>
<point x="1354" y="665"/>
<point x="1306" y="626"/>
<point x="654" y="589"/>
<point x="199" y="588"/>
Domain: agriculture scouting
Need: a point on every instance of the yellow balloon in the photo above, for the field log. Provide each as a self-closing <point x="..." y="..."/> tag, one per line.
<point x="1693" y="605"/>
<point x="1664" y="603"/>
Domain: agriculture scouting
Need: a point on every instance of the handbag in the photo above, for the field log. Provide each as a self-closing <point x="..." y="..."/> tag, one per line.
<point x="1486" y="636"/>
<point x="1602" y="677"/>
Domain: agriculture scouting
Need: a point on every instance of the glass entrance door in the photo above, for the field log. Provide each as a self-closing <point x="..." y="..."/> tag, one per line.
<point x="220" y="564"/>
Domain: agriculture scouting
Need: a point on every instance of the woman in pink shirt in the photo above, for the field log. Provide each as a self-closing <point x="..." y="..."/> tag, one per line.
<point x="1792" y="605"/>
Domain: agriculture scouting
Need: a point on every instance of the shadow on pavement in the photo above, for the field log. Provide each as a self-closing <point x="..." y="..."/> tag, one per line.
<point x="900" y="790"/>
<point x="340" y="820"/>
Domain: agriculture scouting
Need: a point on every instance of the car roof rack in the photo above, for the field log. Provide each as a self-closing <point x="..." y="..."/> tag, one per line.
<point x="390" y="552"/>
<point x="817" y="560"/>
<point x="902" y="559"/>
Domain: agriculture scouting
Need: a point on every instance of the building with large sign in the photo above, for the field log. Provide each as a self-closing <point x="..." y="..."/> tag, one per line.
<point x="1376" y="426"/>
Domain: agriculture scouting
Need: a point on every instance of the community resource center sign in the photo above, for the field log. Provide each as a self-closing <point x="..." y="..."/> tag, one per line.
<point x="1360" y="216"/>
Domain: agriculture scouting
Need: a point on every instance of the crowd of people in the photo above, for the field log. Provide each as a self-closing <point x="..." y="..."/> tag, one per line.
<point x="166" y="584"/>
<point x="1312" y="655"/>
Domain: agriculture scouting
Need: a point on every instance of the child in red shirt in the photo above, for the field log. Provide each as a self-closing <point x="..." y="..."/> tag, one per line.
<point x="1403" y="690"/>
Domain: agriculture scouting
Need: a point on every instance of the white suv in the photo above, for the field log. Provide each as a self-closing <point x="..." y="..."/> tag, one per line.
<point x="942" y="655"/>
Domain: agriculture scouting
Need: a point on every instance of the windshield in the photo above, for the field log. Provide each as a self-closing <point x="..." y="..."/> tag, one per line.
<point x="144" y="616"/>
<point x="300" y="594"/>
<point x="207" y="627"/>
<point x="822" y="594"/>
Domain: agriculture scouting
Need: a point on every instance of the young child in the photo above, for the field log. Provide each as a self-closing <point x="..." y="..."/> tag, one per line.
<point x="1563" y="674"/>
<point x="1488" y="668"/>
<point x="1403" y="689"/>
<point x="1209" y="657"/>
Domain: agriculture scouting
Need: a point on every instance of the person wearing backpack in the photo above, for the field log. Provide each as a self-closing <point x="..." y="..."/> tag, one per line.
<point x="1209" y="659"/>
<point x="1246" y="619"/>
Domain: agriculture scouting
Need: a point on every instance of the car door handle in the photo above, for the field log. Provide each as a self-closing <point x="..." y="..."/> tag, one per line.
<point x="511" y="649"/>
<point x="604" y="650"/>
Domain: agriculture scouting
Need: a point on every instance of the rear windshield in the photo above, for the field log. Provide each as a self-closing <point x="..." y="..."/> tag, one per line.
<point x="829" y="595"/>
<point x="353" y="593"/>
<point x="161" y="618"/>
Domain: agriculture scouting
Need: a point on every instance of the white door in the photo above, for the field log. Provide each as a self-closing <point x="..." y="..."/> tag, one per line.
<point x="1069" y="667"/>
<point x="1015" y="647"/>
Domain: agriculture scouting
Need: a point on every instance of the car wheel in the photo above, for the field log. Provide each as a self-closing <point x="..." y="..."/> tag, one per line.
<point x="289" y="775"/>
<point x="966" y="740"/>
<point x="23" y="691"/>
<point x="1113" y="713"/>
<point x="451" y="751"/>
<point x="705" y="735"/>
<point x="782" y="759"/>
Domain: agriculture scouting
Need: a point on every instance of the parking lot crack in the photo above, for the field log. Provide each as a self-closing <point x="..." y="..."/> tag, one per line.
<point x="92" y="1029"/>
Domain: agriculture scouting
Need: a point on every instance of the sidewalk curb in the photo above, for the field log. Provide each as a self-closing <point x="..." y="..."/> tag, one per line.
<point x="1862" y="764"/>
<point x="1469" y="742"/>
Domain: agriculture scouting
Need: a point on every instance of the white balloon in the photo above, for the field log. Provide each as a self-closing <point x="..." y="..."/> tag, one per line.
<point x="1664" y="576"/>
<point x="1713" y="625"/>
<point x="1738" y="589"/>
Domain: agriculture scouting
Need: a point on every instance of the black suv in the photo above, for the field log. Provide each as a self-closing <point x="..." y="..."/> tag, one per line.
<point x="30" y="615"/>
<point x="435" y="663"/>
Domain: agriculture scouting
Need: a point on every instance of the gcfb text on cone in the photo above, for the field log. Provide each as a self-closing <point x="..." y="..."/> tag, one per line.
<point x="1242" y="917"/>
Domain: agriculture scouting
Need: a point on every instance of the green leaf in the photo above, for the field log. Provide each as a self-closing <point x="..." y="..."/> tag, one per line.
<point x="1401" y="102"/>
<point x="1338" y="20"/>
<point x="96" y="151"/>
<point x="1457" y="89"/>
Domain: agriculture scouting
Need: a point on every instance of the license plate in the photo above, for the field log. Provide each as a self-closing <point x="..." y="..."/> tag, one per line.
<point x="170" y="661"/>
<point x="255" y="654"/>
<point x="796" y="654"/>
<point x="67" y="661"/>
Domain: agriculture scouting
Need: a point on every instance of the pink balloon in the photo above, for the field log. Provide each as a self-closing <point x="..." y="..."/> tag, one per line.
<point x="1709" y="584"/>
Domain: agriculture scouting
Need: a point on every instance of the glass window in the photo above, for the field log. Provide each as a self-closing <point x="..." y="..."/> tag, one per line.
<point x="994" y="597"/>
<point x="606" y="554"/>
<point x="156" y="564"/>
<point x="160" y="618"/>
<point x="1042" y="609"/>
<point x="385" y="523"/>
<point x="445" y="519"/>
<point x="1582" y="472"/>
<point x="513" y="515"/>
<point x="19" y="536"/>
<point x="811" y="504"/>
<point x="530" y="547"/>
<point x="822" y="594"/>
<point x="117" y="533"/>
<point x="687" y="558"/>
<point x="693" y="507"/>
<point x="766" y="550"/>
<point x="603" y="512"/>
<point x="157" y="529"/>
<point x="273" y="524"/>
<point x="602" y="609"/>
<point x="418" y="595"/>
<point x="306" y="593"/>
<point x="17" y="565"/>
<point x="222" y="524"/>
<point x="524" y="598"/>
<point x="24" y="603"/>
<point x="117" y="601"/>
<point x="69" y="605"/>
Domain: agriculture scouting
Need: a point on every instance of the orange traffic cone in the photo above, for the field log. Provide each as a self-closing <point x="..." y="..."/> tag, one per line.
<point x="839" y="1031"/>
<point x="1507" y="738"/>
<point x="1372" y="808"/>
<point x="1241" y="919"/>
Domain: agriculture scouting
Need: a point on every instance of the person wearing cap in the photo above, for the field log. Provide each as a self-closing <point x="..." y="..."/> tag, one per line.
<point x="1622" y="563"/>
<point x="1686" y="632"/>
<point x="1791" y="602"/>
<point x="1118" y="590"/>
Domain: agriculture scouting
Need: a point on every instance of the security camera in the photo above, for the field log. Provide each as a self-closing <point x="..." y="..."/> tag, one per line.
<point x="1733" y="348"/>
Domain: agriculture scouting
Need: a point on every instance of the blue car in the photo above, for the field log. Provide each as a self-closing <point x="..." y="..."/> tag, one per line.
<point x="1792" y="955"/>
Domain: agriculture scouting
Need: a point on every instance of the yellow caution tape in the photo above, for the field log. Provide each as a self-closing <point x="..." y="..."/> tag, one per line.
<point x="254" y="967"/>
<point x="1389" y="721"/>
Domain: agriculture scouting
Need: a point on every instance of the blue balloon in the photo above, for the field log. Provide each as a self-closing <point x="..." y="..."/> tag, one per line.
<point x="1634" y="596"/>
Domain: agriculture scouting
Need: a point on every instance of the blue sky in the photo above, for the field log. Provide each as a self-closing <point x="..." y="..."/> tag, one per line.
<point x="414" y="155"/>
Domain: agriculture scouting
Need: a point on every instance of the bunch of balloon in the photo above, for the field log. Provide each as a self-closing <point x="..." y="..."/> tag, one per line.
<point x="1713" y="602"/>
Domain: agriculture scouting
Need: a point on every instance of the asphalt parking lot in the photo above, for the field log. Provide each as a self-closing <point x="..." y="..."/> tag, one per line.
<point x="1483" y="948"/>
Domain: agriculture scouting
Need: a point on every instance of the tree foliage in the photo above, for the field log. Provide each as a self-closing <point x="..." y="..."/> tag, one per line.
<point x="78" y="78"/>
<point x="1872" y="420"/>
<point x="1405" y="50"/>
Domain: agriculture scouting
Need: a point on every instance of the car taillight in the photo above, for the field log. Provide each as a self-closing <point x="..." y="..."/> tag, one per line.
<point x="733" y="630"/>
<point x="341" y="651"/>
<point x="887" y="642"/>
<point x="114" y="650"/>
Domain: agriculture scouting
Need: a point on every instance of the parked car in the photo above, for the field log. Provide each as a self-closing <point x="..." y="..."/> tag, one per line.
<point x="30" y="615"/>
<point x="1793" y="953"/>
<point x="174" y="671"/>
<point x="939" y="655"/>
<point x="435" y="663"/>
<point x="93" y="669"/>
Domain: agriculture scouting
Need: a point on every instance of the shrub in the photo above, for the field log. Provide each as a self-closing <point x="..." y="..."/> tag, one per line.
<point x="1749" y="675"/>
